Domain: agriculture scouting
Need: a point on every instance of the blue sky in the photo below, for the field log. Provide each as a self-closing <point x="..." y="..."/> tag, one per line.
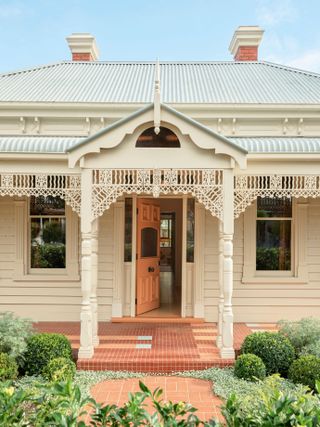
<point x="33" y="31"/>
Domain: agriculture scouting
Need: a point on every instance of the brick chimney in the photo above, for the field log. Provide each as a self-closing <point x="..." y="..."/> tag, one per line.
<point x="83" y="47"/>
<point x="245" y="43"/>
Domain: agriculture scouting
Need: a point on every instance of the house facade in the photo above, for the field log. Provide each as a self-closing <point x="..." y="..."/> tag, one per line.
<point x="185" y="189"/>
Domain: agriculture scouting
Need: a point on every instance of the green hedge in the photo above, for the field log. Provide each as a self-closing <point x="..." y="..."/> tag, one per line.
<point x="59" y="369"/>
<point x="44" y="347"/>
<point x="305" y="370"/>
<point x="275" y="350"/>
<point x="250" y="367"/>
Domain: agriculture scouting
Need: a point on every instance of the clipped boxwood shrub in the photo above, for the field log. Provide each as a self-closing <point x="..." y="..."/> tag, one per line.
<point x="59" y="369"/>
<point x="275" y="350"/>
<point x="8" y="367"/>
<point x="44" y="347"/>
<point x="305" y="370"/>
<point x="250" y="367"/>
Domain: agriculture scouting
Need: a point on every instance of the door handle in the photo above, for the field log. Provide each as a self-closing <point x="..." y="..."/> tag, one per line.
<point x="150" y="269"/>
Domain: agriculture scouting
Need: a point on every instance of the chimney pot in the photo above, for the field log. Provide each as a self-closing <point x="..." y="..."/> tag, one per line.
<point x="245" y="43"/>
<point x="83" y="47"/>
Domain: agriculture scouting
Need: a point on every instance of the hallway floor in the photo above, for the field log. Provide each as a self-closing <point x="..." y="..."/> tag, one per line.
<point x="170" y="298"/>
<point x="153" y="347"/>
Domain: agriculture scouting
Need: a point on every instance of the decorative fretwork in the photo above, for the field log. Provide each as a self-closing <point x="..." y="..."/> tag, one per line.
<point x="249" y="187"/>
<point x="68" y="187"/>
<point x="206" y="185"/>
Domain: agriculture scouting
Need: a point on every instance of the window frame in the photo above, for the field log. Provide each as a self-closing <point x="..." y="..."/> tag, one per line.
<point x="277" y="273"/>
<point x="299" y="268"/>
<point x="35" y="270"/>
<point x="23" y="270"/>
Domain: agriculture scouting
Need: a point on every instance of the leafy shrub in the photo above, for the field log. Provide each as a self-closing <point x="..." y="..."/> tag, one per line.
<point x="14" y="333"/>
<point x="313" y="349"/>
<point x="59" y="369"/>
<point x="48" y="255"/>
<point x="61" y="404"/>
<point x="305" y="370"/>
<point x="250" y="367"/>
<point x="44" y="347"/>
<point x="8" y="367"/>
<point x="302" y="333"/>
<point x="272" y="407"/>
<point x="274" y="349"/>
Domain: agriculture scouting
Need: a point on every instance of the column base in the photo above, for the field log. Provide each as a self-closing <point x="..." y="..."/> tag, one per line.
<point x="227" y="353"/>
<point x="95" y="341"/>
<point x="86" y="353"/>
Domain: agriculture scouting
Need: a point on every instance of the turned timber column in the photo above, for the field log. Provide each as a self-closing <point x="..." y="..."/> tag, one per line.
<point x="227" y="350"/>
<point x="94" y="281"/>
<point x="118" y="278"/>
<point x="86" y="340"/>
<point x="221" y="293"/>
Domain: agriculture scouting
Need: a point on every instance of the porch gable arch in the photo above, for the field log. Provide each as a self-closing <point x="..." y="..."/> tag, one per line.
<point x="125" y="130"/>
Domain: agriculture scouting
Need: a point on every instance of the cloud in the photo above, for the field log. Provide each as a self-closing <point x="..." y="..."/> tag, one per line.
<point x="308" y="60"/>
<point x="275" y="12"/>
<point x="8" y="11"/>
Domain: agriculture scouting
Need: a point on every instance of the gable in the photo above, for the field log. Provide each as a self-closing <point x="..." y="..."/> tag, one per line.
<point x="127" y="130"/>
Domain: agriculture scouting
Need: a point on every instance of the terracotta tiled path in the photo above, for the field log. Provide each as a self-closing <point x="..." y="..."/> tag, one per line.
<point x="152" y="347"/>
<point x="197" y="392"/>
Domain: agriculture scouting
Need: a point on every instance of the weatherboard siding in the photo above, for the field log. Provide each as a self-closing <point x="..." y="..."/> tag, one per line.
<point x="48" y="300"/>
<point x="61" y="300"/>
<point x="266" y="302"/>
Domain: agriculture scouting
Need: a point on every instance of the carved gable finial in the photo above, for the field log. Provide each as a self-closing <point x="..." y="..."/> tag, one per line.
<point x="157" y="98"/>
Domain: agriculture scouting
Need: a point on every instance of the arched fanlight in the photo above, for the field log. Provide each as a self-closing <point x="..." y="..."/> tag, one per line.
<point x="165" y="139"/>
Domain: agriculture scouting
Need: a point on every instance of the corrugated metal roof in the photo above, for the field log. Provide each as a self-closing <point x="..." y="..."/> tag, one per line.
<point x="183" y="82"/>
<point x="58" y="144"/>
<point x="287" y="145"/>
<point x="37" y="144"/>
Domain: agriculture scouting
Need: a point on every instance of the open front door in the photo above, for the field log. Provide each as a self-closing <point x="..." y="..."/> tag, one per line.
<point x="148" y="256"/>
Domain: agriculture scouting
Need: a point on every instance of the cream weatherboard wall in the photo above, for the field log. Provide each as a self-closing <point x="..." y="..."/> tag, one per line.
<point x="274" y="298"/>
<point x="252" y="302"/>
<point x="56" y="297"/>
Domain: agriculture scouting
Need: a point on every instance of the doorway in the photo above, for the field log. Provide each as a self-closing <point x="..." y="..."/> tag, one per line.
<point x="158" y="281"/>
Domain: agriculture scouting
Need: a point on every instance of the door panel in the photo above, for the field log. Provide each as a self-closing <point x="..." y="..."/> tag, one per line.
<point x="148" y="256"/>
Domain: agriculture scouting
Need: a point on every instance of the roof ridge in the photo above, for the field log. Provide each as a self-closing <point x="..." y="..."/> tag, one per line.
<point x="35" y="68"/>
<point x="100" y="63"/>
<point x="289" y="68"/>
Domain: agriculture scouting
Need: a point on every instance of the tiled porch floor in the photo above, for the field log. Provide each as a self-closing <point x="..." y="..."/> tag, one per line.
<point x="151" y="347"/>
<point x="194" y="391"/>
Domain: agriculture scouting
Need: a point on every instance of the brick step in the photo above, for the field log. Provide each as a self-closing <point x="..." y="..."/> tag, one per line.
<point x="152" y="366"/>
<point x="158" y="320"/>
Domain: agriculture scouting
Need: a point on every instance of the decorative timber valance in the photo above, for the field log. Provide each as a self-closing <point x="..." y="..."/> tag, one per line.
<point x="206" y="185"/>
<point x="68" y="187"/>
<point x="249" y="187"/>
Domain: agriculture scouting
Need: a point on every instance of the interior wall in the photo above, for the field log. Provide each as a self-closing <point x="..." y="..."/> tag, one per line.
<point x="175" y="206"/>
